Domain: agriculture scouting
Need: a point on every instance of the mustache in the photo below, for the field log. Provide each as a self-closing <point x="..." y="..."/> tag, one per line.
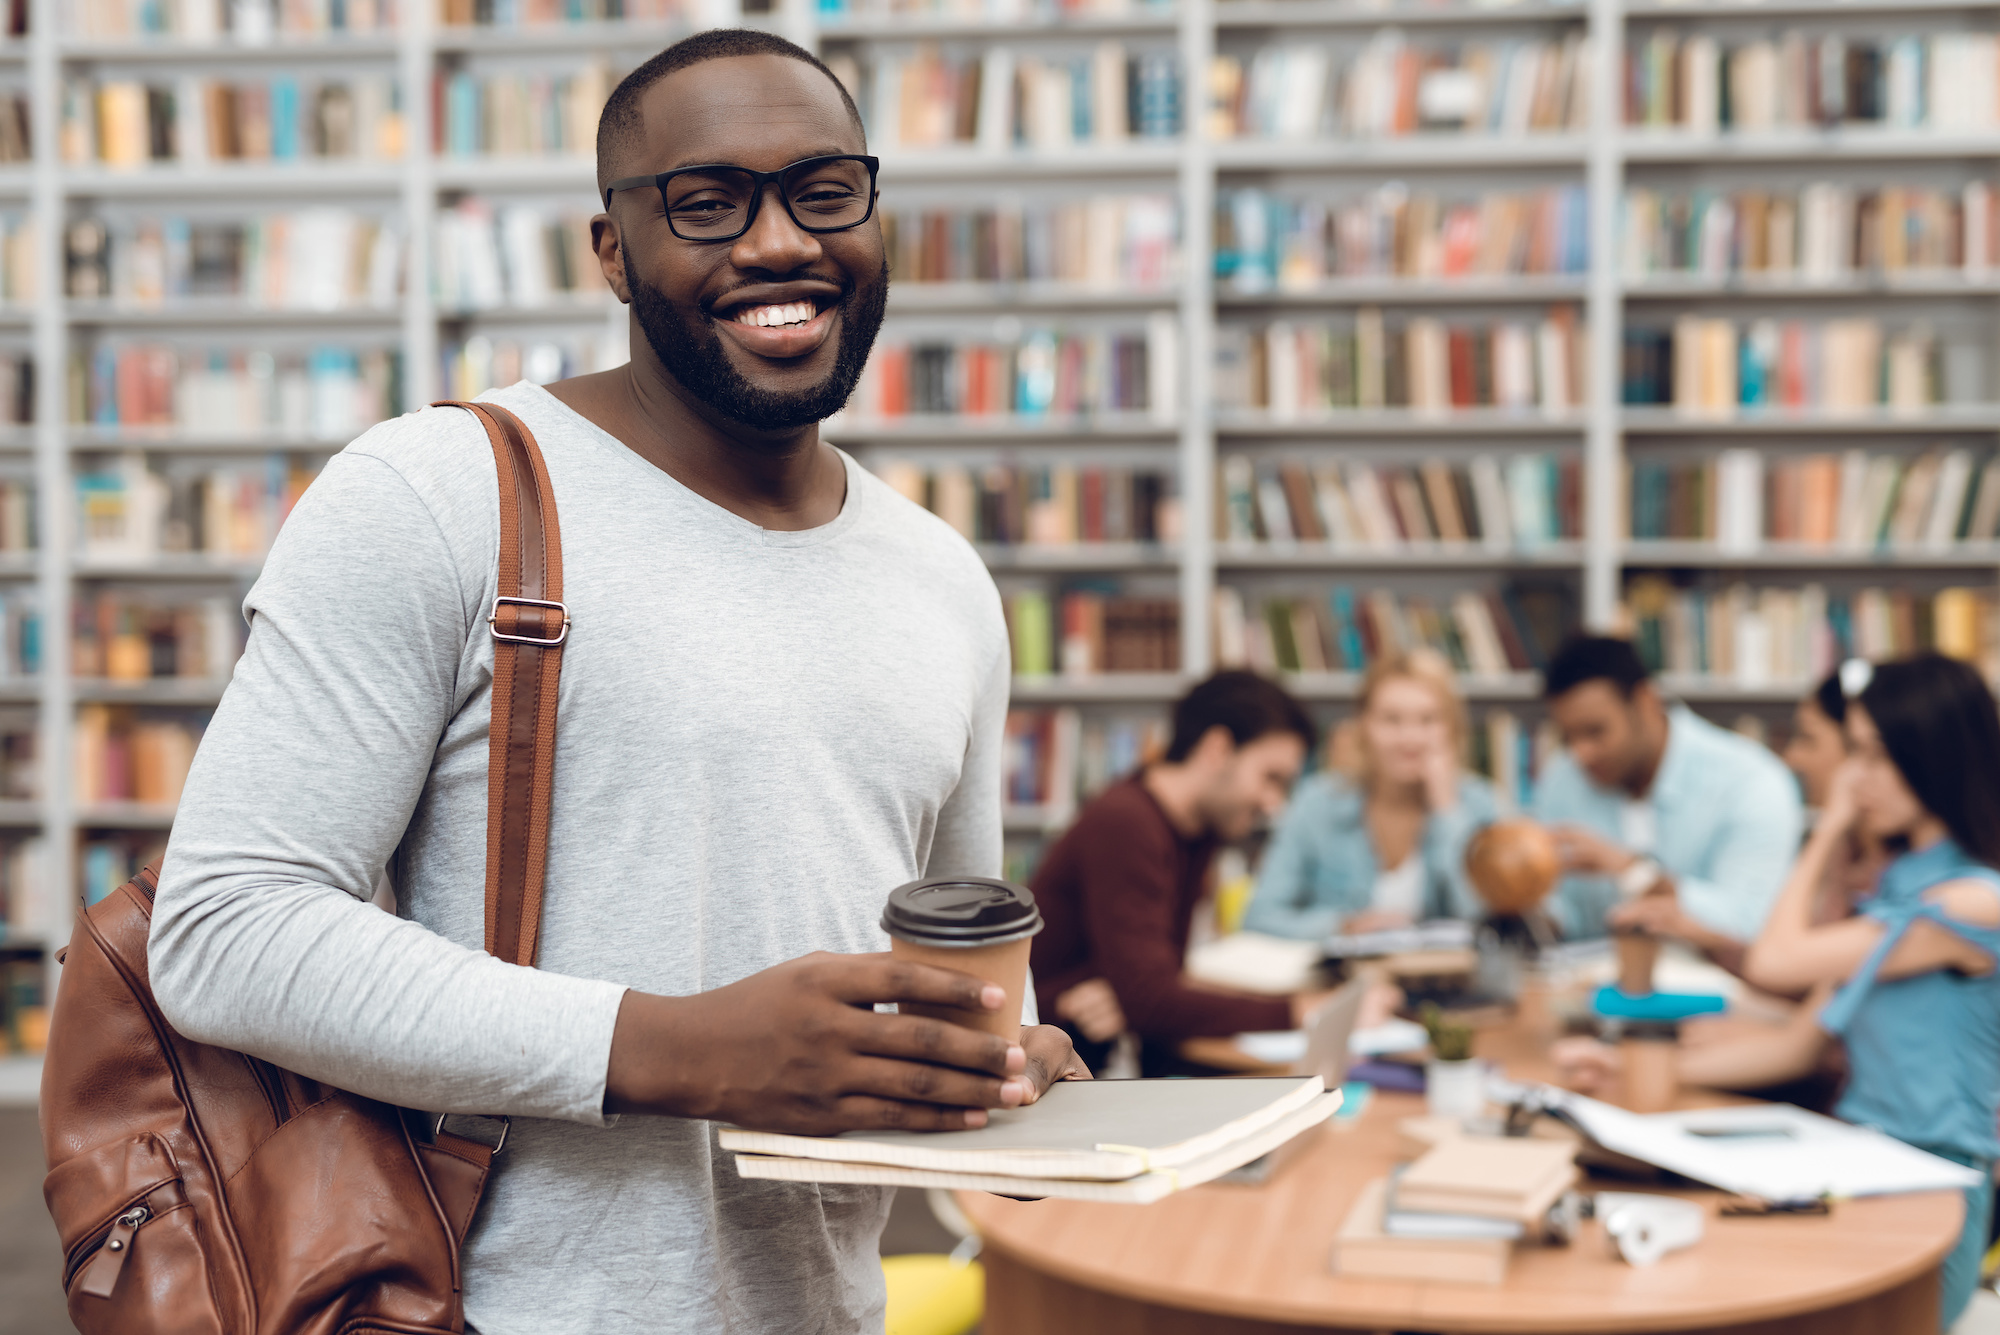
<point x="846" y="284"/>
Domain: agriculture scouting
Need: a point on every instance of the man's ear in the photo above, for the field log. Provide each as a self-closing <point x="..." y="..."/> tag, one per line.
<point x="609" y="244"/>
<point x="1215" y="747"/>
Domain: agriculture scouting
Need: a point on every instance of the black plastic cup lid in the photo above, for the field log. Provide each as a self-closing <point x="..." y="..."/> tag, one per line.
<point x="961" y="911"/>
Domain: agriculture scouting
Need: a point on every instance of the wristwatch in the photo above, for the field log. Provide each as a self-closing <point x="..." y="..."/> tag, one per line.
<point x="1640" y="877"/>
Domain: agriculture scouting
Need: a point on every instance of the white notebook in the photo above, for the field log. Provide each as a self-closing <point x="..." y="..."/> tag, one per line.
<point x="1098" y="1130"/>
<point x="1140" y="1188"/>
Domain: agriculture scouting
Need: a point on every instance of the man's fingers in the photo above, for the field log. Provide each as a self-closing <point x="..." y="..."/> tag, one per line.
<point x="936" y="1042"/>
<point x="866" y="979"/>
<point x="1050" y="1055"/>
<point x="917" y="1082"/>
<point x="860" y="1112"/>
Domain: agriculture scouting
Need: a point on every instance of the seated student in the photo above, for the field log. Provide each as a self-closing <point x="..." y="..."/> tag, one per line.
<point x="1667" y="823"/>
<point x="1381" y="843"/>
<point x="1815" y="752"/>
<point x="1919" y="996"/>
<point x="1118" y="890"/>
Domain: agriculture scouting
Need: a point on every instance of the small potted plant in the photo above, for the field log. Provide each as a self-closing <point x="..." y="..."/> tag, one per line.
<point x="1454" y="1082"/>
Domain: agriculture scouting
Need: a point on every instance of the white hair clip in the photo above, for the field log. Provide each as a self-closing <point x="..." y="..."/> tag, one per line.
<point x="1855" y="674"/>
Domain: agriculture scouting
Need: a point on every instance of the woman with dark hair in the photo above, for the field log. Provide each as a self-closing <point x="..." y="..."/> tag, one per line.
<point x="1919" y="996"/>
<point x="1818" y="743"/>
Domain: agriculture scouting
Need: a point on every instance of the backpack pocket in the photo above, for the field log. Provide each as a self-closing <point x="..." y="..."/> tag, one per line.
<point x="132" y="1247"/>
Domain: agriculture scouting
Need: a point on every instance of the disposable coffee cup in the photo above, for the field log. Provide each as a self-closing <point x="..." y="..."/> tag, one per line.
<point x="971" y="924"/>
<point x="1637" y="954"/>
<point x="1651" y="1060"/>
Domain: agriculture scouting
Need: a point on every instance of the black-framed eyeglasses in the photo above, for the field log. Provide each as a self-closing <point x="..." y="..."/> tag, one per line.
<point x="719" y="202"/>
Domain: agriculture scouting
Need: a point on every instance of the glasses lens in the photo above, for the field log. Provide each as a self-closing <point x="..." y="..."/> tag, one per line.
<point x="829" y="194"/>
<point x="712" y="202"/>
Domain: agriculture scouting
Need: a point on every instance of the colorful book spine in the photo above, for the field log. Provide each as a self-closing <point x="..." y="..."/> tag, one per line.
<point x="1500" y="505"/>
<point x="1710" y="366"/>
<point x="480" y="363"/>
<point x="1057" y="759"/>
<point x="318" y="259"/>
<point x="129" y="124"/>
<point x="1484" y="633"/>
<point x="1086" y="633"/>
<point x="328" y="393"/>
<point x="519" y="114"/>
<point x="521" y="255"/>
<point x="1055" y="506"/>
<point x="1105" y="242"/>
<point x="133" y="635"/>
<point x="1044" y="373"/>
<point x="1823" y="232"/>
<point x="246" y="22"/>
<point x="539" y="13"/>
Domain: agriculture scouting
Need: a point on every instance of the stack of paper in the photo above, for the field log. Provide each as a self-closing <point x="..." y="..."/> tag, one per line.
<point x="1105" y="1140"/>
<point x="1366" y="1248"/>
<point x="1489" y="1177"/>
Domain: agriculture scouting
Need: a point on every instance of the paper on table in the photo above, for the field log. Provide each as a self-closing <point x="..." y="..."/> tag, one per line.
<point x="1440" y="934"/>
<point x="1282" y="1047"/>
<point x="1253" y="962"/>
<point x="1773" y="1150"/>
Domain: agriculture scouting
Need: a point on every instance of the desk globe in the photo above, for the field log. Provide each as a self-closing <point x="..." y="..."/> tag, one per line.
<point x="1513" y="864"/>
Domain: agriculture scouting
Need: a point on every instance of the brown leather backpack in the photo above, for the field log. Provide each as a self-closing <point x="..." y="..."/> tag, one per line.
<point x="200" y="1191"/>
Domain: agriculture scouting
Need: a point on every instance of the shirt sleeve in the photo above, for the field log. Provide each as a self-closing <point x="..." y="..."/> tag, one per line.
<point x="263" y="938"/>
<point x="1446" y="834"/>
<point x="1129" y="913"/>
<point x="1286" y="901"/>
<point x="1755" y="844"/>
<point x="1578" y="903"/>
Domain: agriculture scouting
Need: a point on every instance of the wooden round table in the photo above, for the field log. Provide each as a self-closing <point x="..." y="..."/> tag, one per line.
<point x="1240" y="1260"/>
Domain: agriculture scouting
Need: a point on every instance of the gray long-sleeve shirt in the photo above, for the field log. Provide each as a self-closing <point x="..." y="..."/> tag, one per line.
<point x="761" y="734"/>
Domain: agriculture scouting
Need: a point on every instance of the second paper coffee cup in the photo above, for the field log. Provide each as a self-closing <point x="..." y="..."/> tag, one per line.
<point x="971" y="924"/>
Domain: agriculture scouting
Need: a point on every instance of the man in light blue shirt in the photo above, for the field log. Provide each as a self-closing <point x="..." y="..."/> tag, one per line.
<point x="1667" y="823"/>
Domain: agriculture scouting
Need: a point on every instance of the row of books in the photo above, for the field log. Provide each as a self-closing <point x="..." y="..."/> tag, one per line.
<point x="18" y="527"/>
<point x="1489" y="633"/>
<point x="513" y="255"/>
<point x="1395" y="86"/>
<point x="25" y="903"/>
<point x="126" y="123"/>
<point x="1264" y="242"/>
<point x="834" y="12"/>
<point x="535" y="13"/>
<point x="1690" y="81"/>
<point x="128" y="512"/>
<point x="17" y="388"/>
<point x="139" y="634"/>
<point x="249" y="22"/>
<point x="16" y="142"/>
<point x="124" y="757"/>
<point x="1793" y="636"/>
<point x="479" y="363"/>
<point x="1853" y="500"/>
<point x="17" y="259"/>
<point x="107" y="860"/>
<point x="1042" y="372"/>
<point x="1089" y="632"/>
<point x="1710" y="366"/>
<point x="1523" y="501"/>
<point x="1297" y="369"/>
<point x="1056" y="506"/>
<point x="327" y="393"/>
<point x="515" y="113"/>
<point x="313" y="259"/>
<point x="20" y="632"/>
<point x="925" y="96"/>
<point x="1104" y="242"/>
<point x="1056" y="759"/>
<point x="1820" y="232"/>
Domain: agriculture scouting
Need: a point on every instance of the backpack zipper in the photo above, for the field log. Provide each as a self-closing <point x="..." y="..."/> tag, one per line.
<point x="100" y="1277"/>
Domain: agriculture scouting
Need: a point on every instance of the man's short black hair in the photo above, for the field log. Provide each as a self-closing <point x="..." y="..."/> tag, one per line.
<point x="1248" y="705"/>
<point x="1594" y="658"/>
<point x="620" y="123"/>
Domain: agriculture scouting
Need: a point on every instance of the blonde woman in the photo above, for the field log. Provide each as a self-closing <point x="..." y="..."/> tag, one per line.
<point x="1377" y="839"/>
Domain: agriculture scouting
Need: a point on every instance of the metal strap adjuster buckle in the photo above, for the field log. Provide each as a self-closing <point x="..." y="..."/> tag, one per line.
<point x="537" y="641"/>
<point x="506" y="1125"/>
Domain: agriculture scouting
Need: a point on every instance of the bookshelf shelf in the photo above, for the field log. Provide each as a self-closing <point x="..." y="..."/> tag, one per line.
<point x="1407" y="151"/>
<point x="1778" y="556"/>
<point x="1443" y="556"/>
<point x="1512" y="686"/>
<point x="1704" y="10"/>
<point x="14" y="182"/>
<point x="222" y="314"/>
<point x="1104" y="556"/>
<point x="1751" y="422"/>
<point x="1467" y="422"/>
<point x="1508" y="288"/>
<point x="556" y="309"/>
<point x="1712" y="690"/>
<point x="1344" y="14"/>
<point x="158" y="691"/>
<point x="252" y="181"/>
<point x="940" y="429"/>
<point x="1913" y="283"/>
<point x="125" y="816"/>
<point x="925" y="298"/>
<point x="168" y="440"/>
<point x="586" y="35"/>
<point x="20" y="691"/>
<point x="1806" y="146"/>
<point x="19" y="815"/>
<point x="1017" y="819"/>
<point x="1145" y="21"/>
<point x="283" y="47"/>
<point x="1141" y="157"/>
<point x="545" y="172"/>
<point x="168" y="567"/>
<point x="1110" y="688"/>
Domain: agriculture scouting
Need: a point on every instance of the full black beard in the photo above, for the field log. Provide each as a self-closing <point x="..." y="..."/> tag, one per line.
<point x="693" y="355"/>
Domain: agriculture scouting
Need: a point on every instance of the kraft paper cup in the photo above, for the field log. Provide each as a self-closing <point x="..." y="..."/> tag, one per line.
<point x="973" y="925"/>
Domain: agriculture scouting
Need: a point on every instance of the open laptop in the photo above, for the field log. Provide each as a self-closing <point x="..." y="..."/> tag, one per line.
<point x="1328" y="1030"/>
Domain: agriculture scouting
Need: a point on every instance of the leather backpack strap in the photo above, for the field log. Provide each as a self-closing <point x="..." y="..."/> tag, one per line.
<point x="529" y="625"/>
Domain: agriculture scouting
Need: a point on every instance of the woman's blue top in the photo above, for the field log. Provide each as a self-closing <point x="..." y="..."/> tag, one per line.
<point x="1923" y="1052"/>
<point x="1321" y="867"/>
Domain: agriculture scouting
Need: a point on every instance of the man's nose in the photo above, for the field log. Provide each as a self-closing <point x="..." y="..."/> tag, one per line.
<point x="774" y="243"/>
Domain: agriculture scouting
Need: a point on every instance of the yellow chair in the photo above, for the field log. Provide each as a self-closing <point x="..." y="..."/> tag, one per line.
<point x="933" y="1295"/>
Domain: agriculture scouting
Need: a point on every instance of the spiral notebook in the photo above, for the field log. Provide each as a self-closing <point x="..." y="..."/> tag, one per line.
<point x="1106" y="1140"/>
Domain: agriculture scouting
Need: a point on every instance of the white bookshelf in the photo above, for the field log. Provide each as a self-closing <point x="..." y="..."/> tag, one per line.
<point x="1194" y="170"/>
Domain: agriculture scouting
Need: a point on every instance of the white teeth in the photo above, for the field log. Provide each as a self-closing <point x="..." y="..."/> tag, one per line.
<point x="769" y="317"/>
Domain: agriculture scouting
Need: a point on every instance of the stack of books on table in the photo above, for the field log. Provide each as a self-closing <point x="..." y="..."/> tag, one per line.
<point x="1457" y="1212"/>
<point x="1132" y="1141"/>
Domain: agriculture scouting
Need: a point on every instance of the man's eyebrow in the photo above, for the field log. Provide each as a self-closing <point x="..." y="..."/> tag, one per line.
<point x="699" y="161"/>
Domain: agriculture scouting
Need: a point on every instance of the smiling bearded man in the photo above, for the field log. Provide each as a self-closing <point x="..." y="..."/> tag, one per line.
<point x="782" y="696"/>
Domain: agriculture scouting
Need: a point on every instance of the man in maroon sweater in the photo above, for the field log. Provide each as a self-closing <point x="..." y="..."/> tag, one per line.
<point x="1118" y="890"/>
